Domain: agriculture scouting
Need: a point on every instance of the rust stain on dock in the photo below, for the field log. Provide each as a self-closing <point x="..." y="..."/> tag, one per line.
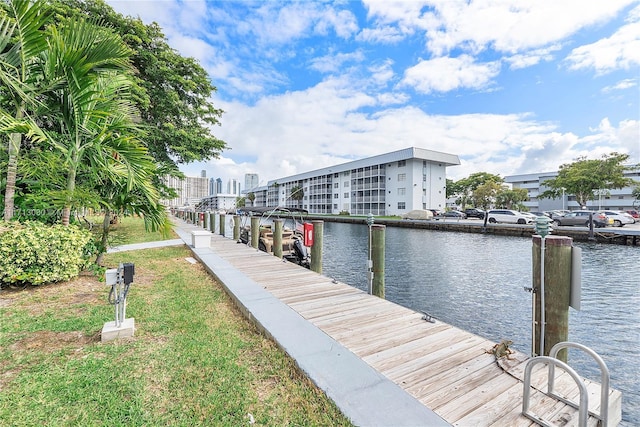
<point x="447" y="369"/>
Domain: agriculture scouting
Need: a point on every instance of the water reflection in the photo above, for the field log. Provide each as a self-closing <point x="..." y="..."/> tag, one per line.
<point x="476" y="282"/>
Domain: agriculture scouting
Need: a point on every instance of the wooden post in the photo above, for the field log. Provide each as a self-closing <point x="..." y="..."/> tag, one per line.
<point x="212" y="222"/>
<point x="277" y="237"/>
<point x="377" y="257"/>
<point x="222" y="216"/>
<point x="236" y="227"/>
<point x="255" y="231"/>
<point x="316" y="249"/>
<point x="557" y="289"/>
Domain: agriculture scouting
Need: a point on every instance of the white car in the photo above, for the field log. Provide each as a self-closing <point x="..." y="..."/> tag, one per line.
<point x="508" y="216"/>
<point x="619" y="218"/>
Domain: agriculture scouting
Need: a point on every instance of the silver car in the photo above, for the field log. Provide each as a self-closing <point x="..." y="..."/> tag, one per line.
<point x="619" y="218"/>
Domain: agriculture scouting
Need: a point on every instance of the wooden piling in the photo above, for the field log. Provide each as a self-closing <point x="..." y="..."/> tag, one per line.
<point x="236" y="227"/>
<point x="222" y="217"/>
<point x="212" y="222"/>
<point x="557" y="288"/>
<point x="377" y="258"/>
<point x="277" y="237"/>
<point x="255" y="231"/>
<point x="316" y="248"/>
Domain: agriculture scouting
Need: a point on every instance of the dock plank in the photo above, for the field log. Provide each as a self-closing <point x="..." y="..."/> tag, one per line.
<point x="445" y="368"/>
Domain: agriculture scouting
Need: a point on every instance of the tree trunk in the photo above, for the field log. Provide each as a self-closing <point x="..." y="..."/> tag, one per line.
<point x="106" y="222"/>
<point x="15" y="140"/>
<point x="71" y="187"/>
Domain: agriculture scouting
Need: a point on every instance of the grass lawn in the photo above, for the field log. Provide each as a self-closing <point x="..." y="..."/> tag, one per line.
<point x="194" y="359"/>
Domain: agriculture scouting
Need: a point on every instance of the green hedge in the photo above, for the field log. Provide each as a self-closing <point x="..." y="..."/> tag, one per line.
<point x="35" y="253"/>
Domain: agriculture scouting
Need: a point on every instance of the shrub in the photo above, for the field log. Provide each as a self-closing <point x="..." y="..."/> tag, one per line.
<point x="346" y="213"/>
<point x="35" y="253"/>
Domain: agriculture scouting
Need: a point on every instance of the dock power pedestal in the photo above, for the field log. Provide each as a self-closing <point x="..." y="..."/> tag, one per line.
<point x="120" y="279"/>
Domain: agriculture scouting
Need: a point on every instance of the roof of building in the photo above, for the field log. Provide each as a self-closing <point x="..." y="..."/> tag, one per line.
<point x="394" y="156"/>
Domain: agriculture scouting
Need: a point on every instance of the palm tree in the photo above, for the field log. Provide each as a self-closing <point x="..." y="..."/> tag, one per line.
<point x="91" y="112"/>
<point x="21" y="44"/>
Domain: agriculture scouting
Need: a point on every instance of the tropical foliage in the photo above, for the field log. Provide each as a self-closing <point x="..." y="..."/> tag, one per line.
<point x="584" y="177"/>
<point x="34" y="253"/>
<point x="94" y="113"/>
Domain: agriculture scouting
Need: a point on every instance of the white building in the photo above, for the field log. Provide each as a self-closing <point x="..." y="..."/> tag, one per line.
<point x="190" y="190"/>
<point x="613" y="199"/>
<point x="217" y="203"/>
<point x="251" y="181"/>
<point x="387" y="184"/>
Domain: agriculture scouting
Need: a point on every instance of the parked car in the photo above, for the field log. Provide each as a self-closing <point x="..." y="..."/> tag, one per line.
<point x="474" y="213"/>
<point x="453" y="214"/>
<point x="556" y="213"/>
<point x="537" y="214"/>
<point x="619" y="218"/>
<point x="436" y="212"/>
<point x="508" y="216"/>
<point x="634" y="214"/>
<point x="581" y="218"/>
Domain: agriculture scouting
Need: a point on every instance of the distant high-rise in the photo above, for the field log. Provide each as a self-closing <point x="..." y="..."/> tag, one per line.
<point x="215" y="186"/>
<point x="251" y="181"/>
<point x="203" y="174"/>
<point x="233" y="187"/>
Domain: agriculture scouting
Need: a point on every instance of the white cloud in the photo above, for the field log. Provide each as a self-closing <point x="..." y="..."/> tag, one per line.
<point x="532" y="57"/>
<point x="503" y="25"/>
<point x="334" y="61"/>
<point x="446" y="74"/>
<point x="621" y="85"/>
<point x="620" y="51"/>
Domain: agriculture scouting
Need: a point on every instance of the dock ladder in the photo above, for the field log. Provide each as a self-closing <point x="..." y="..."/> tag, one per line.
<point x="583" y="406"/>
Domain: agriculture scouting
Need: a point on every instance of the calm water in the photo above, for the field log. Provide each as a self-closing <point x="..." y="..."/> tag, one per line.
<point x="476" y="282"/>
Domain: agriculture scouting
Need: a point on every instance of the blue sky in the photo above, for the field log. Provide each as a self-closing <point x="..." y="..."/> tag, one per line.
<point x="509" y="86"/>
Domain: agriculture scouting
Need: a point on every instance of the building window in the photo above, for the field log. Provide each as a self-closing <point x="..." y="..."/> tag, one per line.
<point x="402" y="191"/>
<point x="335" y="206"/>
<point x="335" y="196"/>
<point x="336" y="185"/>
<point x="402" y="163"/>
<point x="335" y="175"/>
<point x="346" y="195"/>
<point x="401" y="205"/>
<point x="402" y="177"/>
<point x="346" y="183"/>
<point x="424" y="177"/>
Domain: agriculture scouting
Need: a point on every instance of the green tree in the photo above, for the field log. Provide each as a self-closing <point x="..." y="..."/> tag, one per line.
<point x="172" y="93"/>
<point x="252" y="197"/>
<point x="297" y="193"/>
<point x="507" y="198"/>
<point x="484" y="195"/>
<point x="21" y="45"/>
<point x="465" y="187"/>
<point x="240" y="202"/>
<point x="91" y="116"/>
<point x="584" y="177"/>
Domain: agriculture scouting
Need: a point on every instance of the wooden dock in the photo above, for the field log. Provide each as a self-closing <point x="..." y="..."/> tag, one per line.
<point x="449" y="370"/>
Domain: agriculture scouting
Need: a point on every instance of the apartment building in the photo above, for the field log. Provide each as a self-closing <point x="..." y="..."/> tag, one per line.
<point x="388" y="184"/>
<point x="613" y="199"/>
<point x="190" y="190"/>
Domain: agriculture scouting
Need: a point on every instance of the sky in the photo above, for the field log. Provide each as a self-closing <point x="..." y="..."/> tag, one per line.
<point x="511" y="87"/>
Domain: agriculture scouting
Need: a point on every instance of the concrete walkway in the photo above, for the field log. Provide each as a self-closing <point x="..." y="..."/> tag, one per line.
<point x="361" y="393"/>
<point x="146" y="245"/>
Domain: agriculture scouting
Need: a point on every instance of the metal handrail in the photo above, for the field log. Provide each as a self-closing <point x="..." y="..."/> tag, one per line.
<point x="603" y="416"/>
<point x="583" y="409"/>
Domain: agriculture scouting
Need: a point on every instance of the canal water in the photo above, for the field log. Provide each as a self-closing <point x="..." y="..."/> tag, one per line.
<point x="476" y="282"/>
